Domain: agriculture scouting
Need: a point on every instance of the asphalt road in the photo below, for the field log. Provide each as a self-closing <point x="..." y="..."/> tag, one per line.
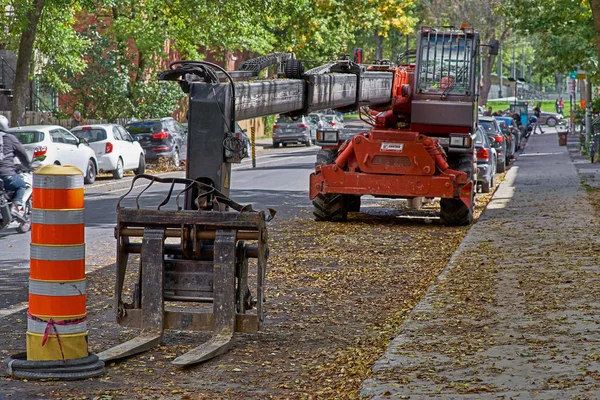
<point x="279" y="181"/>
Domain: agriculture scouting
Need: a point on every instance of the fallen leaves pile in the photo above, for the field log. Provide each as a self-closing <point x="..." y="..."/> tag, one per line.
<point x="336" y="295"/>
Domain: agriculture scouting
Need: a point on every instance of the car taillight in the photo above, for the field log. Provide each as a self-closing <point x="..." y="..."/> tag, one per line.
<point x="160" y="135"/>
<point x="275" y="126"/>
<point x="108" y="148"/>
<point x="86" y="128"/>
<point x="302" y="126"/>
<point x="163" y="148"/>
<point x="499" y="138"/>
<point x="40" y="151"/>
<point x="483" y="154"/>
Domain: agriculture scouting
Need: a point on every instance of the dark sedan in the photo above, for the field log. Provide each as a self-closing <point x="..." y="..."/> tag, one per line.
<point x="160" y="138"/>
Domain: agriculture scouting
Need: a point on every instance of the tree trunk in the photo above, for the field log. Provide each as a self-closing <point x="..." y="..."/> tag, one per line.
<point x="595" y="6"/>
<point x="24" y="62"/>
<point x="379" y="46"/>
<point x="486" y="76"/>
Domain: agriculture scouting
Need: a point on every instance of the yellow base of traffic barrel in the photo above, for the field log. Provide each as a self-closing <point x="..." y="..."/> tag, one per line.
<point x="63" y="347"/>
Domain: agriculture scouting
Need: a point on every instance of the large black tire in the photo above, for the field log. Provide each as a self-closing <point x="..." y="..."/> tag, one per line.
<point x="454" y="212"/>
<point x="276" y="145"/>
<point x="331" y="206"/>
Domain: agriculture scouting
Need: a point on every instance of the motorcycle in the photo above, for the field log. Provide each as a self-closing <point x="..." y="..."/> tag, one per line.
<point x="8" y="219"/>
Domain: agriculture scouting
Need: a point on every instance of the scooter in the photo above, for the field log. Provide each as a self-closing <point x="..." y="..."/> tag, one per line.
<point x="8" y="219"/>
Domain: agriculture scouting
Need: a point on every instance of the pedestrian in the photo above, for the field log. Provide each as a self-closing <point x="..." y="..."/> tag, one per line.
<point x="557" y="105"/>
<point x="488" y="113"/>
<point x="10" y="147"/>
<point x="76" y="121"/>
<point x="537" y="112"/>
<point x="592" y="150"/>
<point x="561" y="105"/>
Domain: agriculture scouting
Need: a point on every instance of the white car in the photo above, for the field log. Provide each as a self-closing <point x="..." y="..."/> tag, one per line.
<point x="53" y="144"/>
<point x="115" y="149"/>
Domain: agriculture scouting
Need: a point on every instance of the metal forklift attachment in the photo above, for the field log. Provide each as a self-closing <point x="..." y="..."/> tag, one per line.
<point x="188" y="257"/>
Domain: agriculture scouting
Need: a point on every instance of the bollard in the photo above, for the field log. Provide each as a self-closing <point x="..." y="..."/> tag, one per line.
<point x="57" y="333"/>
<point x="253" y="140"/>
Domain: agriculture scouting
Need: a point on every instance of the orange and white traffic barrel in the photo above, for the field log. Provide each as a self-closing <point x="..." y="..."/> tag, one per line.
<point x="57" y="332"/>
<point x="56" y="324"/>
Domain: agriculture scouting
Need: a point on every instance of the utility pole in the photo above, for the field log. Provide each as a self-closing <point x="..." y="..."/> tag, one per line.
<point x="500" y="70"/>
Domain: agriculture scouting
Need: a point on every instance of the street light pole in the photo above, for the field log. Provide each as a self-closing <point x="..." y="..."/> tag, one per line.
<point x="500" y="70"/>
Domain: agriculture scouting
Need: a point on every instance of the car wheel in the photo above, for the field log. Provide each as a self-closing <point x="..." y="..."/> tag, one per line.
<point x="175" y="158"/>
<point x="141" y="166"/>
<point x="284" y="144"/>
<point x="501" y="166"/>
<point x="118" y="172"/>
<point x="309" y="143"/>
<point x="551" y="121"/>
<point x="90" y="173"/>
<point x="275" y="145"/>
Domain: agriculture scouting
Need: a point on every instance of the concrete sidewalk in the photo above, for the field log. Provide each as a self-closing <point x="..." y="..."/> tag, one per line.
<point x="516" y="312"/>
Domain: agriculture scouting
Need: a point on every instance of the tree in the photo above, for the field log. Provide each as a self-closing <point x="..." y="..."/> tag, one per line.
<point x="42" y="28"/>
<point x="563" y="32"/>
<point x="486" y="16"/>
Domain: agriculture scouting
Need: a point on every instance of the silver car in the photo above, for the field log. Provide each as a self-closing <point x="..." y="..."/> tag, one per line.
<point x="294" y="130"/>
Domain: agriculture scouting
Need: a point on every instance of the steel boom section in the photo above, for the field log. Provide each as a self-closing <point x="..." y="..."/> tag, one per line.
<point x="317" y="92"/>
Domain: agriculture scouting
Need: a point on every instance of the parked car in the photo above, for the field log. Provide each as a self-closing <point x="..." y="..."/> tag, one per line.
<point x="162" y="137"/>
<point x="53" y="144"/>
<point x="492" y="129"/>
<point x="288" y="130"/>
<point x="515" y="131"/>
<point x="115" y="149"/>
<point x="486" y="160"/>
<point x="549" y="118"/>
<point x="511" y="139"/>
<point x="335" y="120"/>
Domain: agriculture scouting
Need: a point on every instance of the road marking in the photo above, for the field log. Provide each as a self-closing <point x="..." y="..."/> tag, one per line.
<point x="15" y="308"/>
<point x="539" y="154"/>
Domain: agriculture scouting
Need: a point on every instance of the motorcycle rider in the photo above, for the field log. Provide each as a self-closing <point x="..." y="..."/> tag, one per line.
<point x="11" y="148"/>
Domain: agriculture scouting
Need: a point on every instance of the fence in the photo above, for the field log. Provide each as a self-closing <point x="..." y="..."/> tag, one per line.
<point x="46" y="118"/>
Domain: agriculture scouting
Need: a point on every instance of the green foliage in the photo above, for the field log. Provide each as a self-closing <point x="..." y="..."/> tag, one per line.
<point x="155" y="99"/>
<point x="563" y="31"/>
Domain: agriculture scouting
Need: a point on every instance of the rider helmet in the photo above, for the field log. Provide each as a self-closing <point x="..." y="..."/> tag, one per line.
<point x="4" y="125"/>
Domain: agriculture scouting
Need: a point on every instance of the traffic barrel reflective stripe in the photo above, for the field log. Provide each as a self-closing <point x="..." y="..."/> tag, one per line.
<point x="56" y="328"/>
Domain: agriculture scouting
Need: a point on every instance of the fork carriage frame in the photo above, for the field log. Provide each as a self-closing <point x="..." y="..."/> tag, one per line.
<point x="208" y="265"/>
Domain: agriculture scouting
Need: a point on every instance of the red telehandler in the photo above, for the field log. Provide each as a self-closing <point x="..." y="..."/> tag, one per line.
<point x="421" y="141"/>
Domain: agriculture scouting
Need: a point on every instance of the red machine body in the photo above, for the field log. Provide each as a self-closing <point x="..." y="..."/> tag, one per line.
<point x="402" y="156"/>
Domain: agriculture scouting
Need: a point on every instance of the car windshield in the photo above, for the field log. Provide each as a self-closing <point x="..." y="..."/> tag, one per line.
<point x="284" y="119"/>
<point x="314" y="118"/>
<point x="488" y="126"/>
<point x="445" y="63"/>
<point x="478" y="137"/>
<point x="138" y="128"/>
<point x="28" y="137"/>
<point x="91" y="135"/>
